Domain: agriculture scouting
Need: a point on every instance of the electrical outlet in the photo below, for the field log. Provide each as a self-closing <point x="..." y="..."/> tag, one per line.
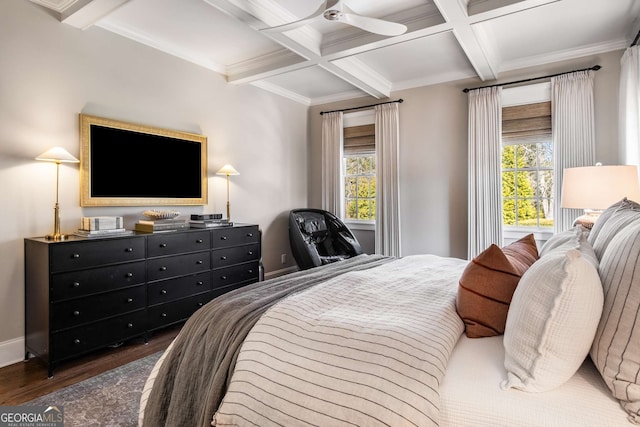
<point x="283" y="258"/>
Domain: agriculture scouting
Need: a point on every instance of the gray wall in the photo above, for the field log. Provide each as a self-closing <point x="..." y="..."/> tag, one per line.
<point x="433" y="152"/>
<point x="51" y="72"/>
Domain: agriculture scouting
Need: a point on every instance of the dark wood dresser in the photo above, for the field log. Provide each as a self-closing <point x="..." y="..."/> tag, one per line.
<point x="84" y="294"/>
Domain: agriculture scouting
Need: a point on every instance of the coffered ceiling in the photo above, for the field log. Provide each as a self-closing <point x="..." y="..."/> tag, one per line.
<point x="326" y="61"/>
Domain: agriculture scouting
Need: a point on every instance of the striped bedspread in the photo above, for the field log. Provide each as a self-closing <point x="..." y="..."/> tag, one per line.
<point x="366" y="348"/>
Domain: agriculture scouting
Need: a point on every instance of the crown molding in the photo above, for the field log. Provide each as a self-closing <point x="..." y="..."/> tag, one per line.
<point x="563" y="55"/>
<point x="279" y="90"/>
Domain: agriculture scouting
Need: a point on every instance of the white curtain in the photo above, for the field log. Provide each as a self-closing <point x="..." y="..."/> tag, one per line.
<point x="630" y="107"/>
<point x="572" y="115"/>
<point x="485" y="183"/>
<point x="332" y="146"/>
<point x="387" y="235"/>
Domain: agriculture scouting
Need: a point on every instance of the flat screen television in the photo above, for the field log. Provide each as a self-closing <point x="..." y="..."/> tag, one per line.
<point x="126" y="164"/>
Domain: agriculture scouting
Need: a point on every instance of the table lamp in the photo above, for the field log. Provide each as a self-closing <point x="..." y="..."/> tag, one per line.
<point x="57" y="155"/>
<point x="595" y="188"/>
<point x="228" y="170"/>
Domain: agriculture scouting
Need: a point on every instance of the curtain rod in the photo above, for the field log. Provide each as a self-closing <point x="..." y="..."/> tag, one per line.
<point x="399" y="101"/>
<point x="594" y="68"/>
<point x="635" y="41"/>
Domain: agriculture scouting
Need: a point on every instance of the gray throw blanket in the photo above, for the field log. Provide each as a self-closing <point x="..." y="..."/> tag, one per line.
<point x="194" y="375"/>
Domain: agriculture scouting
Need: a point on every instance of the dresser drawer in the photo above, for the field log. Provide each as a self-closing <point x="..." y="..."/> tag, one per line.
<point x="172" y="289"/>
<point x="168" y="244"/>
<point x="232" y="236"/>
<point x="234" y="255"/>
<point x="247" y="272"/>
<point x="179" y="265"/>
<point x="99" y="334"/>
<point x="75" y="255"/>
<point x="176" y="311"/>
<point x="85" y="282"/>
<point x="83" y="310"/>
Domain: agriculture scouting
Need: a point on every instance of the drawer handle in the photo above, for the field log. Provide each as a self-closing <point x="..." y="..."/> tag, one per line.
<point x="76" y="256"/>
<point x="199" y="262"/>
<point x="199" y="283"/>
<point x="76" y="284"/>
<point x="129" y="325"/>
<point x="76" y="313"/>
<point x="129" y="300"/>
<point x="223" y="277"/>
<point x="249" y="234"/>
<point x="128" y="275"/>
<point x="163" y="268"/>
<point x="200" y="304"/>
<point x="163" y="292"/>
<point x="250" y="253"/>
<point x="199" y="241"/>
<point x="250" y="271"/>
<point x="223" y="258"/>
<point x="128" y="250"/>
<point x="76" y="341"/>
<point x="223" y="237"/>
<point x="163" y="245"/>
<point x="163" y="315"/>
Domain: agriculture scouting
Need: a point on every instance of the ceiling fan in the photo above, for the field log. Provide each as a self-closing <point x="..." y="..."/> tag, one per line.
<point x="336" y="10"/>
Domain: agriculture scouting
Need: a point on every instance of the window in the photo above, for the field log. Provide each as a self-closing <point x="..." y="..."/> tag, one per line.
<point x="359" y="174"/>
<point x="527" y="185"/>
<point x="360" y="187"/>
<point x="527" y="167"/>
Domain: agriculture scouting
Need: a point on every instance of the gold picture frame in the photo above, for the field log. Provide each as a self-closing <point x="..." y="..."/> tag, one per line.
<point x="88" y="196"/>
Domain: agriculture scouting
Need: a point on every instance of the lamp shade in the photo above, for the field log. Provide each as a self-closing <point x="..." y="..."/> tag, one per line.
<point x="598" y="187"/>
<point x="227" y="170"/>
<point x="58" y="155"/>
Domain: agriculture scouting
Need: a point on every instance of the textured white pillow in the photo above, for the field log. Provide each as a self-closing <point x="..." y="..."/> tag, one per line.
<point x="616" y="346"/>
<point x="553" y="318"/>
<point x="563" y="238"/>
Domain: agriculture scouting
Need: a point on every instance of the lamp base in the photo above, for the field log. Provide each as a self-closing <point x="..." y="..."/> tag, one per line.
<point x="588" y="219"/>
<point x="56" y="237"/>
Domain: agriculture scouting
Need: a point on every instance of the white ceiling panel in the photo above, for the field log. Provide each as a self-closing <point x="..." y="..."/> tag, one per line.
<point x="324" y="61"/>
<point x="315" y="83"/>
<point x="189" y="28"/>
<point x="559" y="30"/>
<point x="434" y="59"/>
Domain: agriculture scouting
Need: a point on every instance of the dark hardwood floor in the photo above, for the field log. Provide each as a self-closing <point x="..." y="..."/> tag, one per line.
<point x="24" y="381"/>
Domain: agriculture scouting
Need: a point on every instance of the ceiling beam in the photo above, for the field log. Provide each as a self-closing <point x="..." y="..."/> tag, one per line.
<point x="85" y="13"/>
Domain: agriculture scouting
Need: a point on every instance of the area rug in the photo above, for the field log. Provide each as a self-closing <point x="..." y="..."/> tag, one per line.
<point x="109" y="399"/>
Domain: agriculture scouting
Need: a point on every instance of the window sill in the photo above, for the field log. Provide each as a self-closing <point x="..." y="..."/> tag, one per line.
<point x="361" y="225"/>
<point x="515" y="233"/>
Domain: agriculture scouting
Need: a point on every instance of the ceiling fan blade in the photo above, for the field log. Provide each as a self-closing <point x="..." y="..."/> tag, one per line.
<point x="373" y="25"/>
<point x="327" y="4"/>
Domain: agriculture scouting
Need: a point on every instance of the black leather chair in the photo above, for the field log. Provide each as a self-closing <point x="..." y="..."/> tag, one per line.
<point x="318" y="237"/>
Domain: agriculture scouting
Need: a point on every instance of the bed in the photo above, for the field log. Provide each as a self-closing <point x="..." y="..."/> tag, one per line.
<point x="421" y="340"/>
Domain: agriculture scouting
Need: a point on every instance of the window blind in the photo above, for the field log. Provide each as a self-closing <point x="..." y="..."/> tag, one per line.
<point x="359" y="139"/>
<point x="529" y="121"/>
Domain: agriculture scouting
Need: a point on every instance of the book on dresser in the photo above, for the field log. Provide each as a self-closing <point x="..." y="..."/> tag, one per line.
<point x="210" y="223"/>
<point x="157" y="226"/>
<point x="109" y="232"/>
<point x="94" y="223"/>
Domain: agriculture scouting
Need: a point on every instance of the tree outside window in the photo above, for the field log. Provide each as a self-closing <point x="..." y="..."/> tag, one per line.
<point x="527" y="185"/>
<point x="360" y="187"/>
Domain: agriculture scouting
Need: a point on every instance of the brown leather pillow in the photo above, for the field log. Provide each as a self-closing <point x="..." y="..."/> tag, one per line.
<point x="487" y="285"/>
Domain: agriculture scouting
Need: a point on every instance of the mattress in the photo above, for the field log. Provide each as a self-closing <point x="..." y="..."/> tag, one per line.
<point x="471" y="395"/>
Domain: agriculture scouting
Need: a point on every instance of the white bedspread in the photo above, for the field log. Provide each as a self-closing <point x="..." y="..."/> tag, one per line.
<point x="471" y="395"/>
<point x="366" y="348"/>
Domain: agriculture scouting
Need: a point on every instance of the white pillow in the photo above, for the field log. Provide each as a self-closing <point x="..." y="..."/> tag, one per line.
<point x="616" y="346"/>
<point x="553" y="318"/>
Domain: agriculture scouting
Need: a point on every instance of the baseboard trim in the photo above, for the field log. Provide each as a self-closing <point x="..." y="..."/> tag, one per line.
<point x="11" y="351"/>
<point x="282" y="272"/>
